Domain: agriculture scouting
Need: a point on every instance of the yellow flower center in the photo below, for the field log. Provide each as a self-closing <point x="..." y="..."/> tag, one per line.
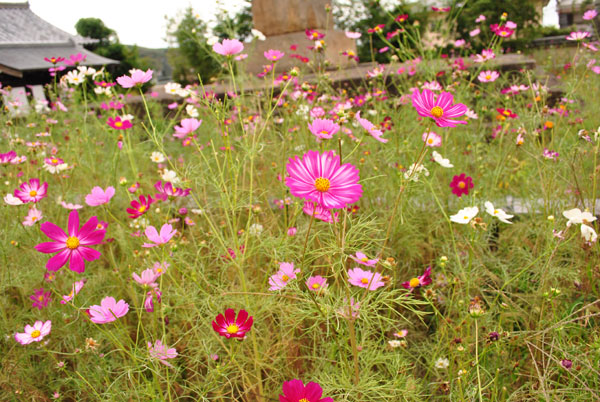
<point x="303" y="400"/>
<point x="118" y="124"/>
<point x="506" y="113"/>
<point x="364" y="259"/>
<point x="274" y="57"/>
<point x="364" y="280"/>
<point x="54" y="160"/>
<point x="414" y="282"/>
<point x="488" y="77"/>
<point x="461" y="184"/>
<point x="33" y="193"/>
<point x="495" y="211"/>
<point x="142" y="209"/>
<point x="437" y="111"/>
<point x="232" y="329"/>
<point x="430" y="141"/>
<point x="34" y="218"/>
<point x="322" y="184"/>
<point x="316" y="286"/>
<point x="324" y="132"/>
<point x="40" y="298"/>
<point x="285" y="278"/>
<point x="35" y="334"/>
<point x="466" y="217"/>
<point x="72" y="242"/>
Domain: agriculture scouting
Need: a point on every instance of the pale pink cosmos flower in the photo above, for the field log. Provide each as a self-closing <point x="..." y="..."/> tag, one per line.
<point x="68" y="205"/>
<point x="138" y="77"/>
<point x="511" y="25"/>
<point x="149" y="277"/>
<point x="292" y="231"/>
<point x="12" y="200"/>
<point x="32" y="217"/>
<point x="187" y="126"/>
<point x="34" y="333"/>
<point x="365" y="279"/>
<point x="353" y="35"/>
<point x="488" y="76"/>
<point x="590" y="15"/>
<point x="316" y="283"/>
<point x="323" y="128"/>
<point x="75" y="290"/>
<point x="273" y="55"/>
<point x="361" y="258"/>
<point x="577" y="36"/>
<point x="474" y="32"/>
<point x="431" y="139"/>
<point x="371" y="128"/>
<point x="283" y="276"/>
<point x="319" y="212"/>
<point x="349" y="311"/>
<point x="108" y="310"/>
<point x="228" y="47"/>
<point x="161" y="352"/>
<point x="481" y="18"/>
<point x="98" y="196"/>
<point x="166" y="233"/>
<point x="486" y="54"/>
<point x="433" y="86"/>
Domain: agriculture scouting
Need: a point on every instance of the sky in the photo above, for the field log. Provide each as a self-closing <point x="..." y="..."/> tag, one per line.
<point x="142" y="22"/>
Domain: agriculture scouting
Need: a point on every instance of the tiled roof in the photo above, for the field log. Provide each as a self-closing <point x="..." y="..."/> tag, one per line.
<point x="19" y="25"/>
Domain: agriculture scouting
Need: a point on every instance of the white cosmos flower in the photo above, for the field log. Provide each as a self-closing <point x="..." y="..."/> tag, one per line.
<point x="414" y="171"/>
<point x="172" y="88"/>
<point x="588" y="233"/>
<point x="498" y="213"/>
<point x="54" y="169"/>
<point x="441" y="160"/>
<point x="442" y="363"/>
<point x="465" y="215"/>
<point x="212" y="40"/>
<point x="255" y="229"/>
<point x="191" y="111"/>
<point x="12" y="200"/>
<point x="257" y="34"/>
<point x="394" y="343"/>
<point x="74" y="77"/>
<point x="157" y="157"/>
<point x="87" y="70"/>
<point x="576" y="216"/>
<point x="170" y="175"/>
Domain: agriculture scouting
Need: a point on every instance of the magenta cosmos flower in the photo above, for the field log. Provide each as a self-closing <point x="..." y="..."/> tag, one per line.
<point x="98" y="196"/>
<point x="187" y="126"/>
<point x="40" y="298"/>
<point x="590" y="15"/>
<point x="371" y="128"/>
<point x="323" y="128"/>
<point x="139" y="208"/>
<point x="108" y="310"/>
<point x="166" y="233"/>
<point x="419" y="281"/>
<point x="295" y="391"/>
<point x="228" y="47"/>
<point x="273" y="55"/>
<point x="320" y="178"/>
<point x="119" y="124"/>
<point x="319" y="212"/>
<point x="34" y="333"/>
<point x="31" y="191"/>
<point x="461" y="184"/>
<point x="167" y="190"/>
<point x="71" y="247"/>
<point x="365" y="279"/>
<point x="441" y="110"/>
<point x="316" y="283"/>
<point x="137" y="77"/>
<point x="361" y="258"/>
<point x="230" y="327"/>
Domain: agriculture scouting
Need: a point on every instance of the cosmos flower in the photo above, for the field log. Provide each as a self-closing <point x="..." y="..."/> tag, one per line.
<point x="273" y="55"/>
<point x="138" y="77"/>
<point x="149" y="300"/>
<point x="283" y="276"/>
<point x="139" y="208"/>
<point x="34" y="215"/>
<point x="54" y="60"/>
<point x="228" y="47"/>
<point x="419" y="281"/>
<point x="34" y="333"/>
<point x="72" y="247"/>
<point x="320" y="178"/>
<point x="319" y="212"/>
<point x="186" y="127"/>
<point x="365" y="279"/>
<point x="577" y="36"/>
<point x="588" y="233"/>
<point x="498" y="213"/>
<point x="349" y="311"/>
<point x="98" y="196"/>
<point x="465" y="215"/>
<point x="7" y="157"/>
<point x="316" y="283"/>
<point x="353" y="35"/>
<point x="371" y="128"/>
<point x="431" y="139"/>
<point x="488" y="76"/>
<point x="166" y="190"/>
<point x="12" y="200"/>
<point x="362" y="259"/>
<point x="77" y="286"/>
<point x="295" y="391"/>
<point x="166" y="233"/>
<point x="108" y="310"/>
<point x="31" y="191"/>
<point x="441" y="110"/>
<point x="228" y="326"/>
<point x="590" y="15"/>
<point x="40" y="298"/>
<point x="119" y="124"/>
<point x="575" y="216"/>
<point x="149" y="277"/>
<point x="461" y="184"/>
<point x="161" y="352"/>
<point x="323" y="128"/>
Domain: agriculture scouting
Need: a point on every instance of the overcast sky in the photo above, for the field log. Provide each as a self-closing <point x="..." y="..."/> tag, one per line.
<point x="142" y="22"/>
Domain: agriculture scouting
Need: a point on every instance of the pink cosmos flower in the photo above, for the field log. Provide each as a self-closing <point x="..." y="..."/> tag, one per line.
<point x="166" y="190"/>
<point x="319" y="212"/>
<point x="149" y="277"/>
<point x="149" y="301"/>
<point x="228" y="47"/>
<point x="486" y="54"/>
<point x="34" y="333"/>
<point x="371" y="128"/>
<point x="40" y="298"/>
<point x="98" y="196"/>
<point x="273" y="55"/>
<point x="32" y="217"/>
<point x="285" y="274"/>
<point x="441" y="110"/>
<point x="365" y="279"/>
<point x="431" y="139"/>
<point x="119" y="124"/>
<point x="75" y="59"/>
<point x="353" y="35"/>
<point x="161" y="352"/>
<point x="590" y="15"/>
<point x="461" y="184"/>
<point x="295" y="391"/>
<point x="349" y="311"/>
<point x="474" y="32"/>
<point x="323" y="128"/>
<point x="138" y="77"/>
<point x="139" y="208"/>
<point x="488" y="76"/>
<point x="292" y="231"/>
<point x="71" y="247"/>
<point x="316" y="283"/>
<point x="77" y="286"/>
<point x="577" y="36"/>
<point x="68" y="205"/>
<point x="362" y="259"/>
<point x="481" y="18"/>
<point x="108" y="310"/>
<point x="419" y="281"/>
<point x="230" y="327"/>
<point x="320" y="178"/>
<point x="166" y="233"/>
<point x="31" y="191"/>
<point x="187" y="126"/>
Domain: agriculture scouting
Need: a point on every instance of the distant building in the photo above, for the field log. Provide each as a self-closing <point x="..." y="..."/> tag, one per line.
<point x="26" y="39"/>
<point x="570" y="13"/>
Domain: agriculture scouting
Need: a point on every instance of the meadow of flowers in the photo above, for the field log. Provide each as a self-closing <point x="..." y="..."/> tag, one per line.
<point x="425" y="235"/>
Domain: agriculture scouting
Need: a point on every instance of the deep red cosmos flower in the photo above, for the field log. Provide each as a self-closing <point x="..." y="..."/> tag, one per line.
<point x="461" y="184"/>
<point x="419" y="281"/>
<point x="71" y="247"/>
<point x="295" y="391"/>
<point x="230" y="327"/>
